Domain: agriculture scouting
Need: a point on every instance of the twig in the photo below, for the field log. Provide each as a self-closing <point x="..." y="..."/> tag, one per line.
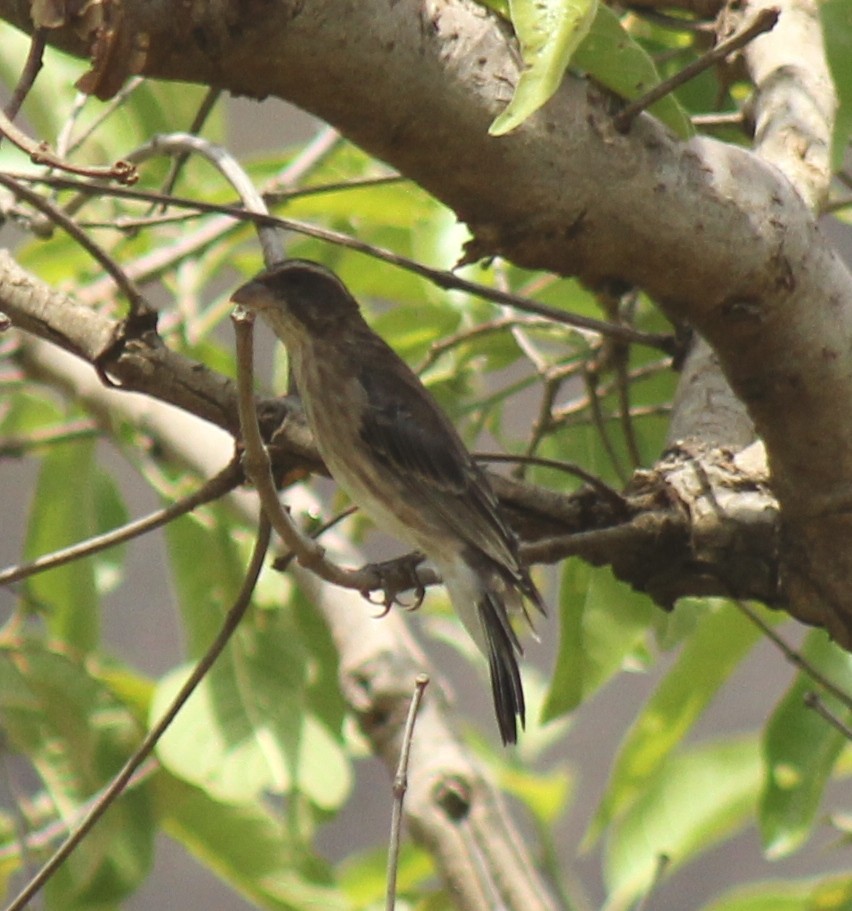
<point x="31" y="69"/>
<point x="609" y="493"/>
<point x="210" y="98"/>
<point x="813" y="701"/>
<point x="794" y="657"/>
<point x="441" y="277"/>
<point x="599" y="422"/>
<point x="40" y="153"/>
<point x="627" y="428"/>
<point x="340" y="186"/>
<point x="542" y="423"/>
<point x="225" y="481"/>
<point x="138" y="304"/>
<point x="400" y="786"/>
<point x="107" y="110"/>
<point x="763" y="22"/>
<point x="232" y="620"/>
<point x="437" y="348"/>
<point x="723" y="119"/>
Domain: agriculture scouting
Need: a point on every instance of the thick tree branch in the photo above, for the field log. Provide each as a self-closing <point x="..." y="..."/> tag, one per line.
<point x="711" y="231"/>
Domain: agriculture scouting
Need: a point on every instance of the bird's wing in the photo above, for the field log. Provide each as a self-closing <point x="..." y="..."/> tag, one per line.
<point x="409" y="432"/>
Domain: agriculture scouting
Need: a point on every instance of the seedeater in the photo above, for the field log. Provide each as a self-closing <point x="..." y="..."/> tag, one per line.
<point x="390" y="447"/>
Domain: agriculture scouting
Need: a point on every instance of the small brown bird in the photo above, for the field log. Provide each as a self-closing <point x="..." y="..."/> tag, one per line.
<point x="391" y="448"/>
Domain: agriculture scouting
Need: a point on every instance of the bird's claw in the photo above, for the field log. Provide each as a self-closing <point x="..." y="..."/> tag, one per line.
<point x="397" y="576"/>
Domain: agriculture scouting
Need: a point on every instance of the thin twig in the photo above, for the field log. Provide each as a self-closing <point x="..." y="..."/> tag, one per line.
<point x="599" y="423"/>
<point x="138" y="305"/>
<point x="400" y="786"/>
<point x="627" y="428"/>
<point x="813" y="701"/>
<point x="40" y="153"/>
<point x="106" y="111"/>
<point x="340" y="186"/>
<point x="794" y="657"/>
<point x="722" y="119"/>
<point x="441" y="277"/>
<point x="31" y="69"/>
<point x="210" y="98"/>
<point x="763" y="22"/>
<point x="118" y="784"/>
<point x="541" y="425"/>
<point x="609" y="493"/>
<point x="225" y="481"/>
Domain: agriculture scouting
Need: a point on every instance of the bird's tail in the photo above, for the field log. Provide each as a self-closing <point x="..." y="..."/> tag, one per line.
<point x="486" y="595"/>
<point x="503" y="651"/>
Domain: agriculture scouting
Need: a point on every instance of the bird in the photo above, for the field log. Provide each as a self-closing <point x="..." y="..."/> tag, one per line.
<point x="388" y="444"/>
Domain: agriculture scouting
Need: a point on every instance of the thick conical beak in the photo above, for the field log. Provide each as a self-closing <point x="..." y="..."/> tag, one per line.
<point x="253" y="295"/>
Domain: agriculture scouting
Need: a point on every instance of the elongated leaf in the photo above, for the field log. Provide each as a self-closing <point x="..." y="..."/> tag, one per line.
<point x="77" y="736"/>
<point x="207" y="570"/>
<point x="693" y="801"/>
<point x="63" y="513"/>
<point x="603" y="626"/>
<point x="549" y="32"/>
<point x="706" y="662"/>
<point x="800" y="749"/>
<point x="834" y="893"/>
<point x="611" y="56"/>
<point x="246" y="729"/>
<point x="248" y="847"/>
<point x="837" y="26"/>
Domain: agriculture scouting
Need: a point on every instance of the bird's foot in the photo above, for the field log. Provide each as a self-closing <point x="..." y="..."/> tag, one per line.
<point x="397" y="576"/>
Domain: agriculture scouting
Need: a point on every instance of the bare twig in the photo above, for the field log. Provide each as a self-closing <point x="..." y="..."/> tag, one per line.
<point x="599" y="422"/>
<point x="31" y="69"/>
<point x="216" y="487"/>
<point x="40" y="153"/>
<point x="441" y="277"/>
<point x="138" y="305"/>
<point x="813" y="701"/>
<point x="210" y="98"/>
<point x="762" y="22"/>
<point x="794" y="657"/>
<point x="400" y="786"/>
<point x="609" y="493"/>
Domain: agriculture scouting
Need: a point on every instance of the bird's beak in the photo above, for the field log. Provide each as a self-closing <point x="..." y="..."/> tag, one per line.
<point x="253" y="295"/>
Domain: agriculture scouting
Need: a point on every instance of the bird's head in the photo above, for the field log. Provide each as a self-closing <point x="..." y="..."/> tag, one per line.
<point x="302" y="294"/>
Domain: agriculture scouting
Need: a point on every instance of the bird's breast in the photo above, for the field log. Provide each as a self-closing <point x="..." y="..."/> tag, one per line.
<point x="334" y="403"/>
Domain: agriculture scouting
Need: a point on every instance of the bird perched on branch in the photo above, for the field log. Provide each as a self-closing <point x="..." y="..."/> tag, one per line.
<point x="391" y="448"/>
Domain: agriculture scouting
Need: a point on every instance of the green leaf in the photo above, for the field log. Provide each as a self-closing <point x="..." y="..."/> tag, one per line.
<point x="549" y="32"/>
<point x="837" y="27"/>
<point x="364" y="875"/>
<point x="693" y="800"/>
<point x="63" y="513"/>
<point x="603" y="627"/>
<point x="77" y="736"/>
<point x="800" y="750"/>
<point x="723" y="639"/>
<point x="611" y="56"/>
<point x="246" y="730"/>
<point x="834" y="893"/>
<point x="207" y="571"/>
<point x="249" y="847"/>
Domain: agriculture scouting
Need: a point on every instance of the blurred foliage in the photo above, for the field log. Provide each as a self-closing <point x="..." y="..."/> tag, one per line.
<point x="263" y="756"/>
